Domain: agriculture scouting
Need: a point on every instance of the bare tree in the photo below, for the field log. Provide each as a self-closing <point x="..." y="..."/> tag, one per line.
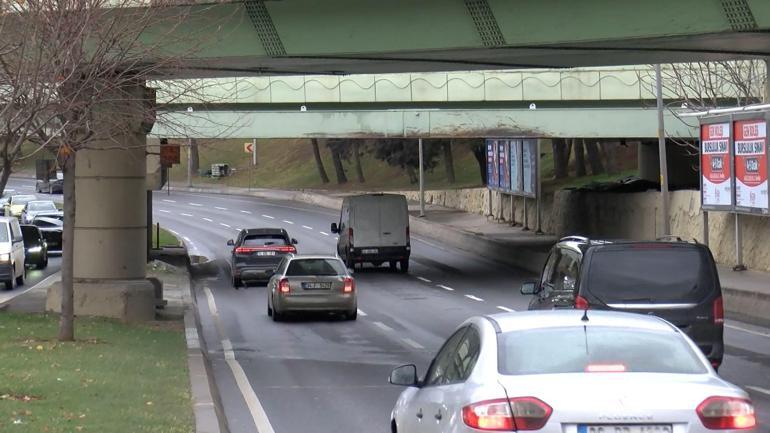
<point x="580" y="162"/>
<point x="319" y="162"/>
<point x="84" y="64"/>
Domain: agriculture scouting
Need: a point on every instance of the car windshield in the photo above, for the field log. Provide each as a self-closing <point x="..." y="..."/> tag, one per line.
<point x="323" y="267"/>
<point x="595" y="348"/>
<point x="38" y="206"/>
<point x="22" y="199"/>
<point x="4" y="232"/>
<point x="649" y="273"/>
<point x="264" y="240"/>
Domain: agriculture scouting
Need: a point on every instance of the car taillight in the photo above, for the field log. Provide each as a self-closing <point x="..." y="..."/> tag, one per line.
<point x="719" y="311"/>
<point x="519" y="413"/>
<point x="242" y="250"/>
<point x="286" y="249"/>
<point x="283" y="286"/>
<point x="724" y="413"/>
<point x="581" y="303"/>
<point x="350" y="235"/>
<point x="350" y="285"/>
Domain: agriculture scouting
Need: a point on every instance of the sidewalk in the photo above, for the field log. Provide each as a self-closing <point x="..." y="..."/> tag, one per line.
<point x="746" y="293"/>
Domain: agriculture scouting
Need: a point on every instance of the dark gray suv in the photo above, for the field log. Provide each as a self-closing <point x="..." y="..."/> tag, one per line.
<point x="257" y="252"/>
<point x="675" y="280"/>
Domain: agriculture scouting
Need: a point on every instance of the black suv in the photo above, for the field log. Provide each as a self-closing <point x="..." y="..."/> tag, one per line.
<point x="675" y="280"/>
<point x="257" y="252"/>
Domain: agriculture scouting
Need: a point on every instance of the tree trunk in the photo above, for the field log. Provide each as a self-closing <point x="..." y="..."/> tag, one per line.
<point x="5" y="175"/>
<point x="580" y="159"/>
<point x="319" y="162"/>
<point x="610" y="151"/>
<point x="449" y="163"/>
<point x="339" y="169"/>
<point x="412" y="175"/>
<point x="480" y="153"/>
<point x="67" y="317"/>
<point x="594" y="158"/>
<point x="559" y="158"/>
<point x="195" y="161"/>
<point x="357" y="161"/>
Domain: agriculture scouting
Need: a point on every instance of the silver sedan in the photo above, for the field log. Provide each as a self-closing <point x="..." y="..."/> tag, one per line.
<point x="569" y="371"/>
<point x="311" y="284"/>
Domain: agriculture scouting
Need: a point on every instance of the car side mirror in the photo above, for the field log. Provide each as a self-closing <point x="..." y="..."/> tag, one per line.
<point x="294" y="241"/>
<point x="405" y="375"/>
<point x="334" y="228"/>
<point x="230" y="243"/>
<point x="529" y="288"/>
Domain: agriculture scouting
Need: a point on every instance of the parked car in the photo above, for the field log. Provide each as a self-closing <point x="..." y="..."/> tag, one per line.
<point x="17" y="202"/>
<point x="51" y="186"/>
<point x="578" y="371"/>
<point x="311" y="284"/>
<point x="51" y="228"/>
<point x="38" y="208"/>
<point x="257" y="252"/>
<point x="12" y="261"/>
<point x="35" y="246"/>
<point x="5" y="198"/>
<point x="672" y="279"/>
<point x="374" y="228"/>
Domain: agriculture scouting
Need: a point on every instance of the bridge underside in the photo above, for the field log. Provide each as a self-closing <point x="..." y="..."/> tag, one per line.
<point x="549" y="122"/>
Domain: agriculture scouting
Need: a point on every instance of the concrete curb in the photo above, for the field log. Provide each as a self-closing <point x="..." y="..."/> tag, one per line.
<point x="743" y="305"/>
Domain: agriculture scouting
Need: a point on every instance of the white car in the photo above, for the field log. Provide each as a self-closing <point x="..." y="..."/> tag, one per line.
<point x="569" y="371"/>
<point x="11" y="253"/>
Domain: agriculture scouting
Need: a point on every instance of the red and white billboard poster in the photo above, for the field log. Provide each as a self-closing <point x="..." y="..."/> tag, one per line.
<point x="751" y="164"/>
<point x="716" y="182"/>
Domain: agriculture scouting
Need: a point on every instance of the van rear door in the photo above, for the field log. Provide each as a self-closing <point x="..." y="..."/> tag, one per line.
<point x="365" y="221"/>
<point x="394" y="219"/>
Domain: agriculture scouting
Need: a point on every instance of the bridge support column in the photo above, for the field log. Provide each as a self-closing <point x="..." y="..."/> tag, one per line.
<point x="111" y="223"/>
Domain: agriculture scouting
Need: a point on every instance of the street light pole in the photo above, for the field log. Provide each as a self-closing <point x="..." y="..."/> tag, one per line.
<point x="662" y="153"/>
<point x="189" y="163"/>
<point x="422" y="179"/>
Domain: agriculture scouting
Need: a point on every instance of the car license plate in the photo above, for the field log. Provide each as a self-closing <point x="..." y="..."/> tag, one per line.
<point x="265" y="253"/>
<point x="370" y="251"/>
<point x="626" y="428"/>
<point x="317" y="286"/>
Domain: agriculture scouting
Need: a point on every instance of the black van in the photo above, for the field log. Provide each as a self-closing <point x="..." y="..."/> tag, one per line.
<point x="675" y="280"/>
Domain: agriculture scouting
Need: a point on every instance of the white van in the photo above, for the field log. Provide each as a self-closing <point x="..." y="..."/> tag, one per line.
<point x="374" y="228"/>
<point x="11" y="253"/>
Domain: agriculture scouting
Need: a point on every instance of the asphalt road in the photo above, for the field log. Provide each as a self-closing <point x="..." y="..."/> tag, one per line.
<point x="325" y="375"/>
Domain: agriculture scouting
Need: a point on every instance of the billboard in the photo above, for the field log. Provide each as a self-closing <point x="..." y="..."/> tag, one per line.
<point x="503" y="164"/>
<point x="492" y="167"/>
<point x="529" y="159"/>
<point x="515" y="159"/>
<point x="751" y="165"/>
<point x="716" y="179"/>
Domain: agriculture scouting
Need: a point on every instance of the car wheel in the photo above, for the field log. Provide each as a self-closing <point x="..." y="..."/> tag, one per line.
<point x="11" y="284"/>
<point x="237" y="282"/>
<point x="277" y="317"/>
<point x="20" y="279"/>
<point x="393" y="264"/>
<point x="404" y="266"/>
<point x="351" y="315"/>
<point x="269" y="311"/>
<point x="43" y="263"/>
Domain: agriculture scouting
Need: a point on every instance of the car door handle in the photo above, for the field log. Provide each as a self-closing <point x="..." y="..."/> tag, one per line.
<point x="419" y="414"/>
<point x="438" y="416"/>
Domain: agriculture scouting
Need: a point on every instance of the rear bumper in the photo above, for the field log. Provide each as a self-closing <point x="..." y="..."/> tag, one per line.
<point x="253" y="273"/>
<point x="383" y="254"/>
<point x="344" y="302"/>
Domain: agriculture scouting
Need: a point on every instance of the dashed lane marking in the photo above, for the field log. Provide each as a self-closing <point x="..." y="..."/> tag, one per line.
<point x="307" y="227"/>
<point x="220" y="208"/>
<point x="758" y="389"/>
<point x="412" y="343"/>
<point x="361" y="313"/>
<point x="382" y="326"/>
<point x="225" y="225"/>
<point x="268" y="217"/>
<point x="475" y="298"/>
<point x="208" y="219"/>
<point x="288" y="222"/>
<point x="195" y="204"/>
<point x="246" y="212"/>
<point x="510" y="310"/>
<point x="186" y="214"/>
<point x="748" y="331"/>
<point x="324" y="233"/>
<point x="424" y="280"/>
<point x="164" y="211"/>
<point x="169" y="201"/>
<point x="445" y="287"/>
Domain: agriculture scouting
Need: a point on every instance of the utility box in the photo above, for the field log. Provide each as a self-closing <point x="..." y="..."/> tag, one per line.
<point x="220" y="170"/>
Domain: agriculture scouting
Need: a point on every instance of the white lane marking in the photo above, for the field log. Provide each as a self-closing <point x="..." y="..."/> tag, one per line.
<point x="412" y="343"/>
<point x="424" y="280"/>
<point x="307" y="227"/>
<point x="510" y="310"/>
<point x="445" y="287"/>
<point x="237" y="230"/>
<point x="195" y="204"/>
<point x="258" y="414"/>
<point x="475" y="298"/>
<point x="164" y="211"/>
<point x="208" y="219"/>
<point x="268" y="216"/>
<point x="169" y="201"/>
<point x="758" y="389"/>
<point x="186" y="214"/>
<point x="225" y="225"/>
<point x="324" y="233"/>
<point x="288" y="222"/>
<point x="748" y="331"/>
<point x="220" y="208"/>
<point x="245" y="211"/>
<point x="187" y="239"/>
<point x="382" y="326"/>
<point x="361" y="313"/>
<point x="174" y="232"/>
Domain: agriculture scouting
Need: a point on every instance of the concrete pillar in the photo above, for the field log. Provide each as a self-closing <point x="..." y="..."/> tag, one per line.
<point x="111" y="220"/>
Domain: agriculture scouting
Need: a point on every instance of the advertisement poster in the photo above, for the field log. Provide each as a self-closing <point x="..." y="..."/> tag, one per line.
<point x="503" y="165"/>
<point x="716" y="183"/>
<point x="492" y="164"/>
<point x="751" y="165"/>
<point x="515" y="158"/>
<point x="529" y="158"/>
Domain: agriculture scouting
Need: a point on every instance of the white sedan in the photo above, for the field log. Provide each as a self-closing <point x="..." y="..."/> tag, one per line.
<point x="569" y="372"/>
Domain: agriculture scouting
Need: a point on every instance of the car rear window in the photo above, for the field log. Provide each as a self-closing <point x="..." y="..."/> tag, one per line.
<point x="321" y="267"/>
<point x="264" y="240"/>
<point x="595" y="348"/>
<point x="649" y="273"/>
